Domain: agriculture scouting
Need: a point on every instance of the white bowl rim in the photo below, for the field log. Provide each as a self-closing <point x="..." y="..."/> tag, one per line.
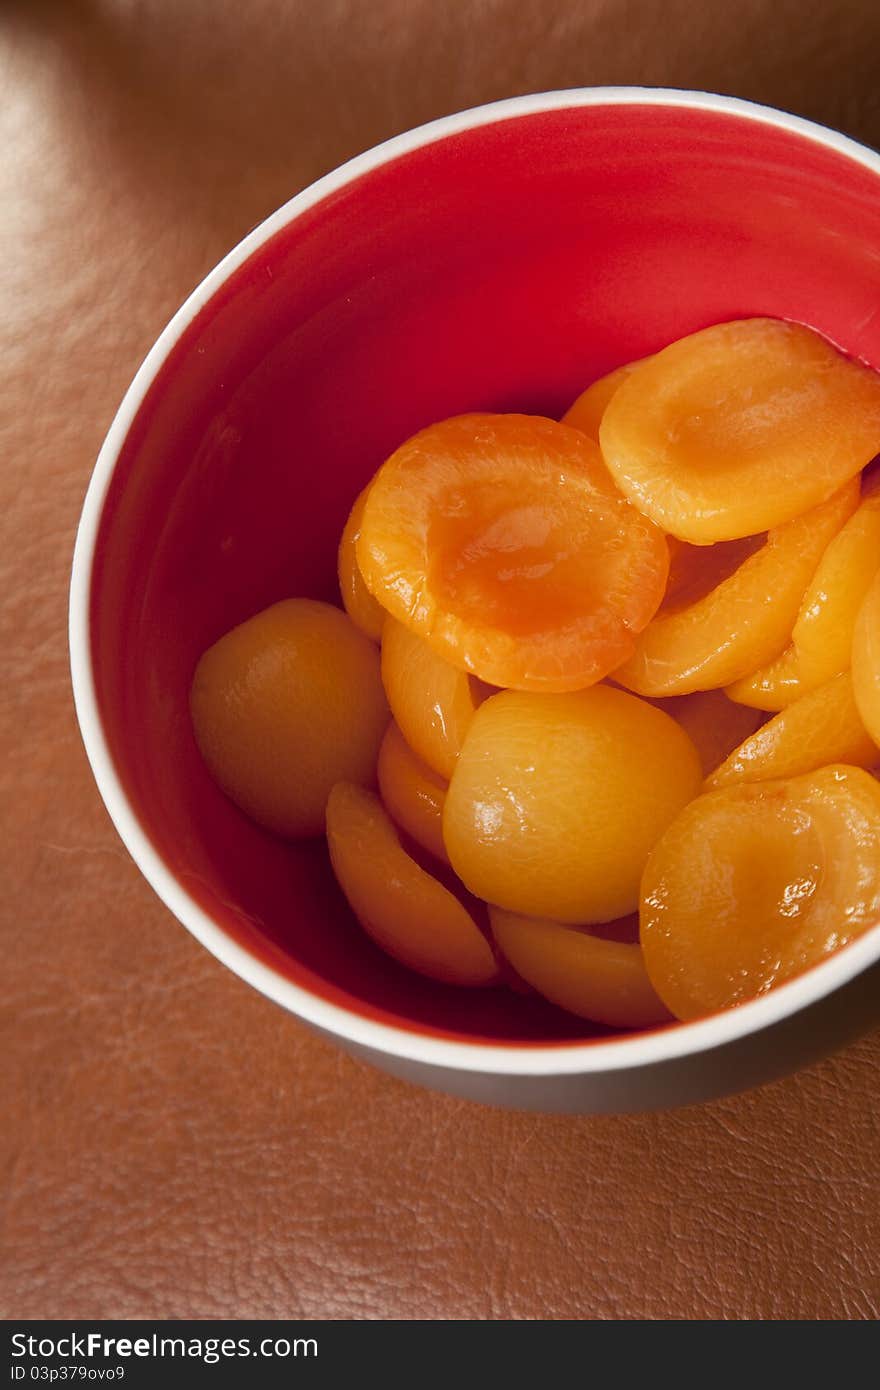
<point x="406" y="1042"/>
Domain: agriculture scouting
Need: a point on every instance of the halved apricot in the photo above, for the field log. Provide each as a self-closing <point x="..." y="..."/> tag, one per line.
<point x="821" y="727"/>
<point x="740" y="428"/>
<point x="822" y="637"/>
<point x="714" y="724"/>
<point x="556" y="800"/>
<point x="753" y="884"/>
<point x="413" y="794"/>
<point x="586" y="412"/>
<point x="284" y="706"/>
<point x="771" y="687"/>
<point x="823" y="633"/>
<point x="866" y="660"/>
<point x="365" y="611"/>
<point x="602" y="980"/>
<point x="432" y="702"/>
<point x="501" y="540"/>
<point x="743" y="622"/>
<point x="402" y="907"/>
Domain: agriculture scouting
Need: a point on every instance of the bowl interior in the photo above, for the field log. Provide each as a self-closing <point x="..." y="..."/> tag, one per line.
<point x="502" y="268"/>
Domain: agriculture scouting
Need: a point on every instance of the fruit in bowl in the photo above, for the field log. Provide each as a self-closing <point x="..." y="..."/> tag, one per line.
<point x="517" y="553"/>
<point x="496" y="263"/>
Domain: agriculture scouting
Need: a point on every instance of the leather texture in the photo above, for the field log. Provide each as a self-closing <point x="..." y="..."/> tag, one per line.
<point x="172" y="1144"/>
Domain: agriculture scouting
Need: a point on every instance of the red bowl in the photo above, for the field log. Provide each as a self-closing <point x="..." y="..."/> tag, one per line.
<point x="496" y="260"/>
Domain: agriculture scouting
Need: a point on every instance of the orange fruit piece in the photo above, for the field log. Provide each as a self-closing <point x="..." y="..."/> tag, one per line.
<point x="821" y="727"/>
<point x="713" y="723"/>
<point x="587" y="411"/>
<point x="412" y="793"/>
<point x="556" y="800"/>
<point x="823" y="633"/>
<point x="822" y="637"/>
<point x="866" y="660"/>
<point x="753" y="884"/>
<point x="744" y="621"/>
<point x="403" y="908"/>
<point x="740" y="428"/>
<point x="605" y="981"/>
<point x="284" y="706"/>
<point x="365" y="612"/>
<point x="771" y="687"/>
<point x="432" y="702"/>
<point x="501" y="540"/>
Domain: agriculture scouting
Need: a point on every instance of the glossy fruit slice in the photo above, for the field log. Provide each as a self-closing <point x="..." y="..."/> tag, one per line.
<point x="284" y="706"/>
<point x="771" y="687"/>
<point x="501" y="541"/>
<point x="602" y="980"/>
<point x="714" y="724"/>
<point x="432" y="702"/>
<point x="412" y="793"/>
<point x="587" y="411"/>
<point x="402" y="907"/>
<point x="365" y="611"/>
<point x="557" y="799"/>
<point x="821" y="641"/>
<point x="745" y="621"/>
<point x="753" y="884"/>
<point x="821" y="727"/>
<point x="866" y="661"/>
<point x="823" y="633"/>
<point x="740" y="428"/>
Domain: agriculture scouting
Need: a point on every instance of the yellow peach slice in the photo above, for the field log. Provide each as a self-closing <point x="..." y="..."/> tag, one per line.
<point x="605" y="981"/>
<point x="752" y="884"/>
<point x="746" y="620"/>
<point x="556" y="800"/>
<point x="365" y="611"/>
<point x="866" y="661"/>
<point x="432" y="702"/>
<point x="739" y="428"/>
<point x="413" y="794"/>
<point x="821" y="727"/>
<point x="403" y="908"/>
<point x="585" y="414"/>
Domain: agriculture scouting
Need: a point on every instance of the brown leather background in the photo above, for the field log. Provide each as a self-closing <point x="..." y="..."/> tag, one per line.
<point x="173" y="1144"/>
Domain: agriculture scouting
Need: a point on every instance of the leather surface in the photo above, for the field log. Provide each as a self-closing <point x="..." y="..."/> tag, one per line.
<point x="172" y="1144"/>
